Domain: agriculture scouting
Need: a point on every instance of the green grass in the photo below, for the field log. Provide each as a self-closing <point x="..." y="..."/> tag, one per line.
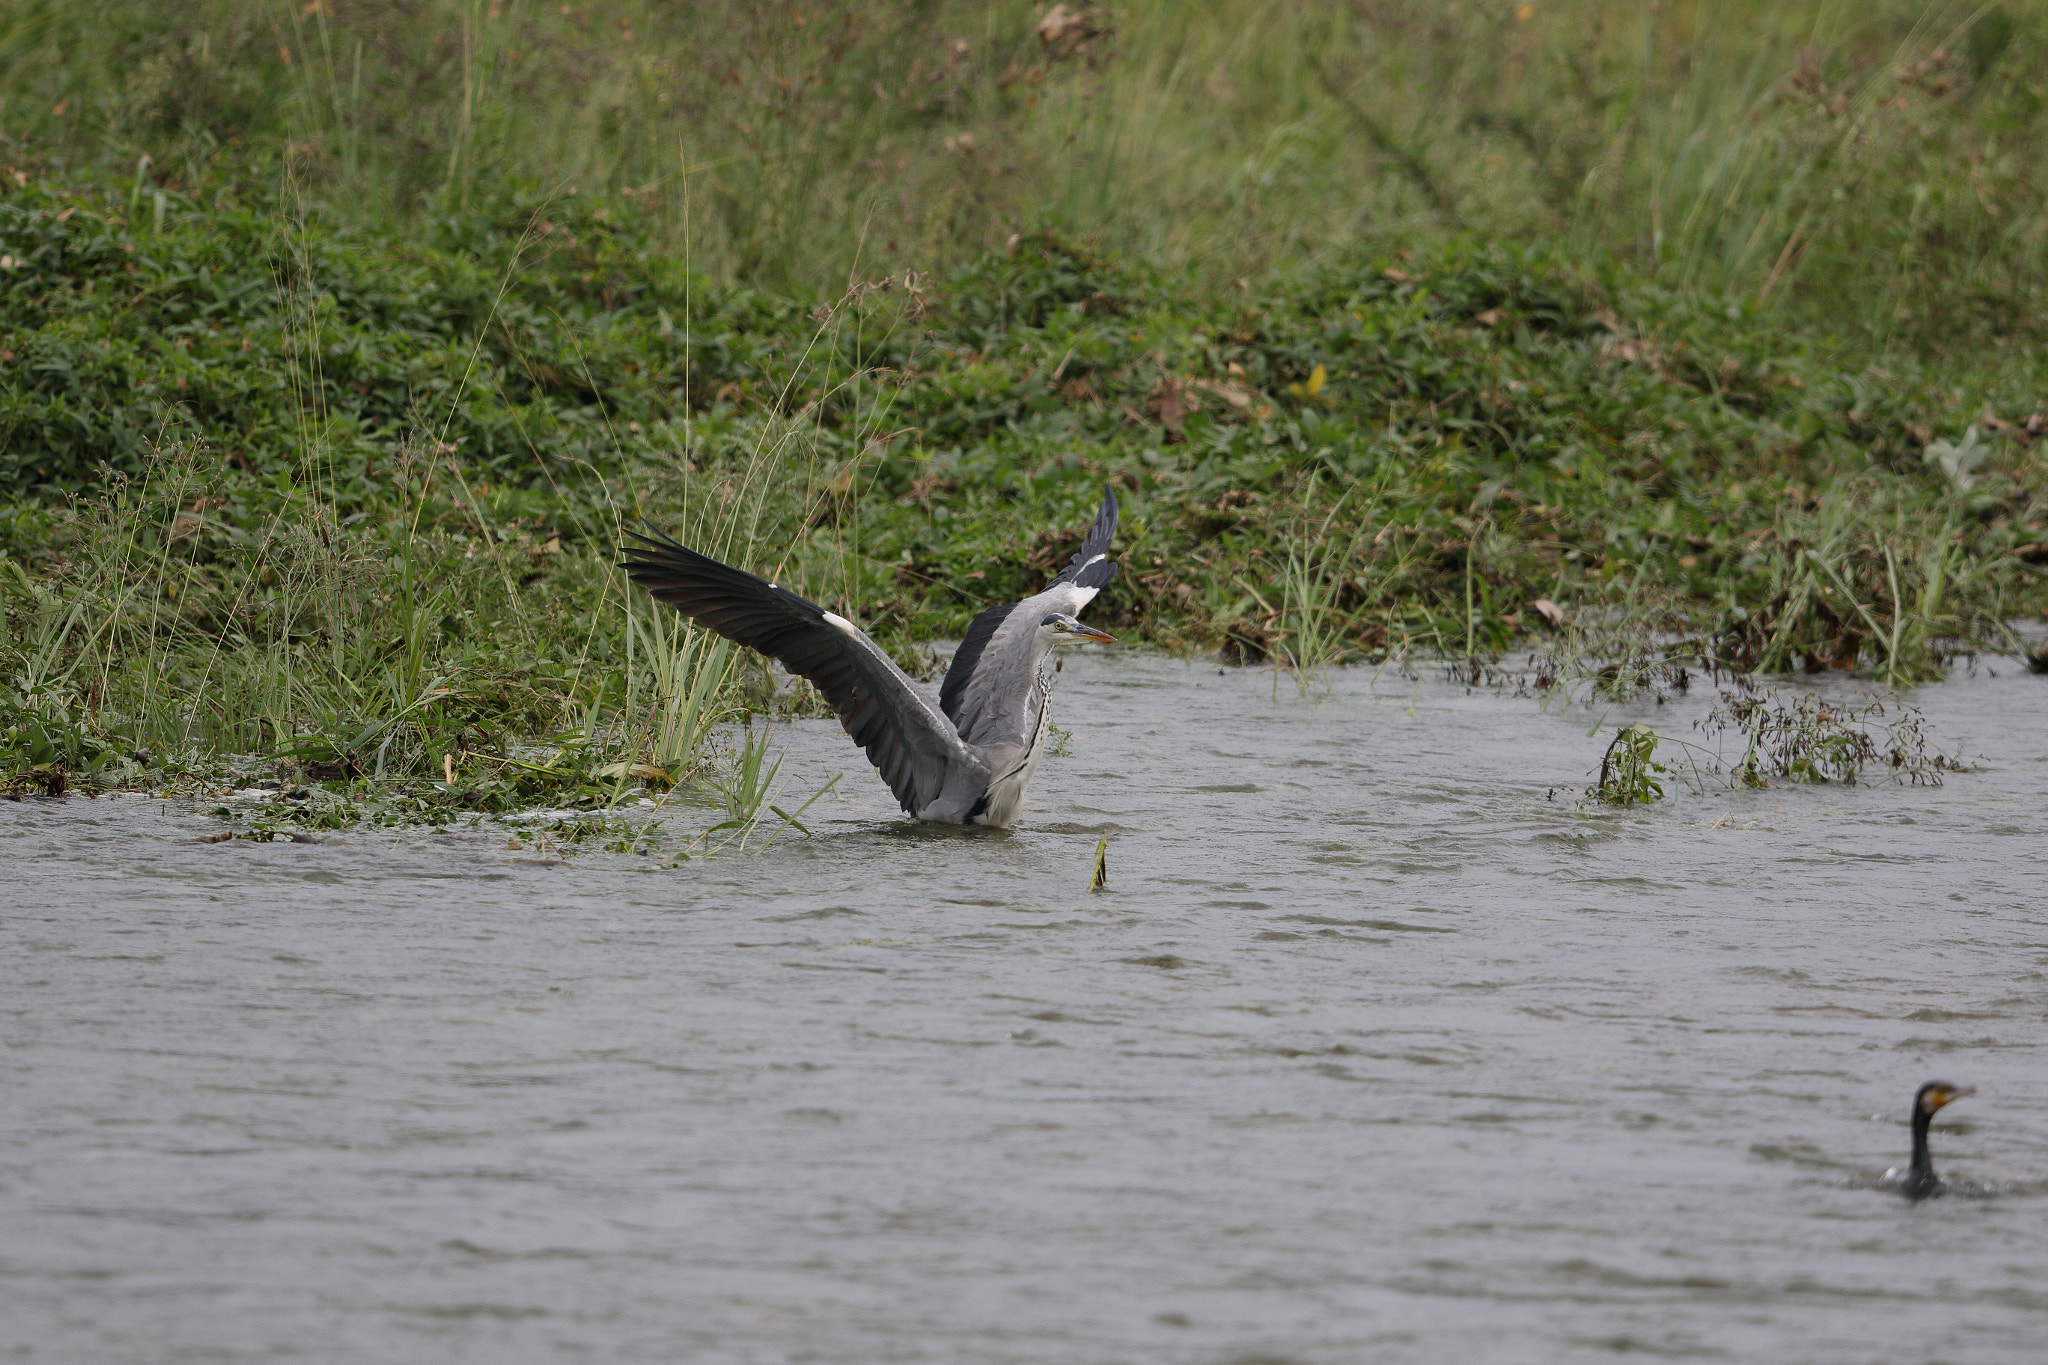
<point x="328" y="385"/>
<point x="1875" y="164"/>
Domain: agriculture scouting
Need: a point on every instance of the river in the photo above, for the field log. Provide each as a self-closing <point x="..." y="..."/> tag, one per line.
<point x="1374" y="1047"/>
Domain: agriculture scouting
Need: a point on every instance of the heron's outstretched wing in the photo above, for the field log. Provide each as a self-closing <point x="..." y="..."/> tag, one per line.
<point x="912" y="745"/>
<point x="1090" y="569"/>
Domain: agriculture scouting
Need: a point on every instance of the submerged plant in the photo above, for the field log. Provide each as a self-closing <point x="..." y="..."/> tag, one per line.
<point x="1805" y="738"/>
<point x="1629" y="772"/>
<point x="1626" y="651"/>
<point x="1811" y="739"/>
<point x="749" y="779"/>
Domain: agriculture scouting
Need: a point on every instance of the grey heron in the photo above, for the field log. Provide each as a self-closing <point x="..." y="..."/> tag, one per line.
<point x="965" y="761"/>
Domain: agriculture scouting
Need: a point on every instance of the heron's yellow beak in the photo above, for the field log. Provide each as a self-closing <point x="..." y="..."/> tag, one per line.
<point x="1091" y="633"/>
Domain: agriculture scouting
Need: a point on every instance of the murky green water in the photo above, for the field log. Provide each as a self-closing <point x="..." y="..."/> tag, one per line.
<point x="1369" y="1052"/>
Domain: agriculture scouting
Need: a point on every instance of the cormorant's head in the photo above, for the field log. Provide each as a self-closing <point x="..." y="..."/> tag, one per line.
<point x="1935" y="1094"/>
<point x="1065" y="629"/>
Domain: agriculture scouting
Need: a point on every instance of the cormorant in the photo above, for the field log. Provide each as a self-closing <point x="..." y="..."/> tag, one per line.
<point x="1918" y="1180"/>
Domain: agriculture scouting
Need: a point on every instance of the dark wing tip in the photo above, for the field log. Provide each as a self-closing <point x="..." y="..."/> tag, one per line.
<point x="1095" y="545"/>
<point x="650" y="540"/>
<point x="659" y="561"/>
<point x="657" y="551"/>
<point x="857" y="680"/>
<point x="1096" y="575"/>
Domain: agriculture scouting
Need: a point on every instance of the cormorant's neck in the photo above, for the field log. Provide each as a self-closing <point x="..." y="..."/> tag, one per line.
<point x="1923" y="1164"/>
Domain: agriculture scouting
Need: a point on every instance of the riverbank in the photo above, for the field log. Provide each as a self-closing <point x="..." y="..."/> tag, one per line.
<point x="284" y="487"/>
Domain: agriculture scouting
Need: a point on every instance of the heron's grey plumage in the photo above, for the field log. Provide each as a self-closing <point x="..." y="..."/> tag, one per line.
<point x="965" y="761"/>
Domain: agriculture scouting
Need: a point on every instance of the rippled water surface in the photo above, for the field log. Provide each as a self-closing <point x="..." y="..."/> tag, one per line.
<point x="1369" y="1051"/>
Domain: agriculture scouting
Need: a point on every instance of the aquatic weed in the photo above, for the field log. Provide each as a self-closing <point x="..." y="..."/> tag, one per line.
<point x="748" y="786"/>
<point x="1629" y="772"/>
<point x="52" y="750"/>
<point x="1813" y="739"/>
<point x="1614" y="654"/>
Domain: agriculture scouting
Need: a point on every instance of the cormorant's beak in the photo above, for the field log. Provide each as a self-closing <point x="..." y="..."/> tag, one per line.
<point x="1953" y="1093"/>
<point x="1091" y="633"/>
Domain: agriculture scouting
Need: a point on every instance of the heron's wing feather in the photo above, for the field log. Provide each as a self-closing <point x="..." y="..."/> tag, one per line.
<point x="1090" y="568"/>
<point x="909" y="742"/>
<point x="966" y="658"/>
<point x="992" y="694"/>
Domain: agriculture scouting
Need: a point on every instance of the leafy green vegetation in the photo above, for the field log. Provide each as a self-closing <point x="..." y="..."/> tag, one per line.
<point x="1807" y="738"/>
<point x="1800" y="737"/>
<point x="316" y="444"/>
<point x="1629" y="772"/>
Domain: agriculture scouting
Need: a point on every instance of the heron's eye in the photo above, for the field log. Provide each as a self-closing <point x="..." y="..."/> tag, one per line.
<point x="1055" y="622"/>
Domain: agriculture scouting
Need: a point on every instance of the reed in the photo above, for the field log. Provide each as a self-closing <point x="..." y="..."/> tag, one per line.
<point x="693" y="687"/>
<point x="1325" y="556"/>
<point x="748" y="787"/>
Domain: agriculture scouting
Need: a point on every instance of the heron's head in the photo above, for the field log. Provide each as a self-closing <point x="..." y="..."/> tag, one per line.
<point x="1061" y="628"/>
<point x="1935" y="1094"/>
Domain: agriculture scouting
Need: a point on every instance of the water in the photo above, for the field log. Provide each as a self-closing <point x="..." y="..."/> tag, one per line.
<point x="1369" y="1051"/>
